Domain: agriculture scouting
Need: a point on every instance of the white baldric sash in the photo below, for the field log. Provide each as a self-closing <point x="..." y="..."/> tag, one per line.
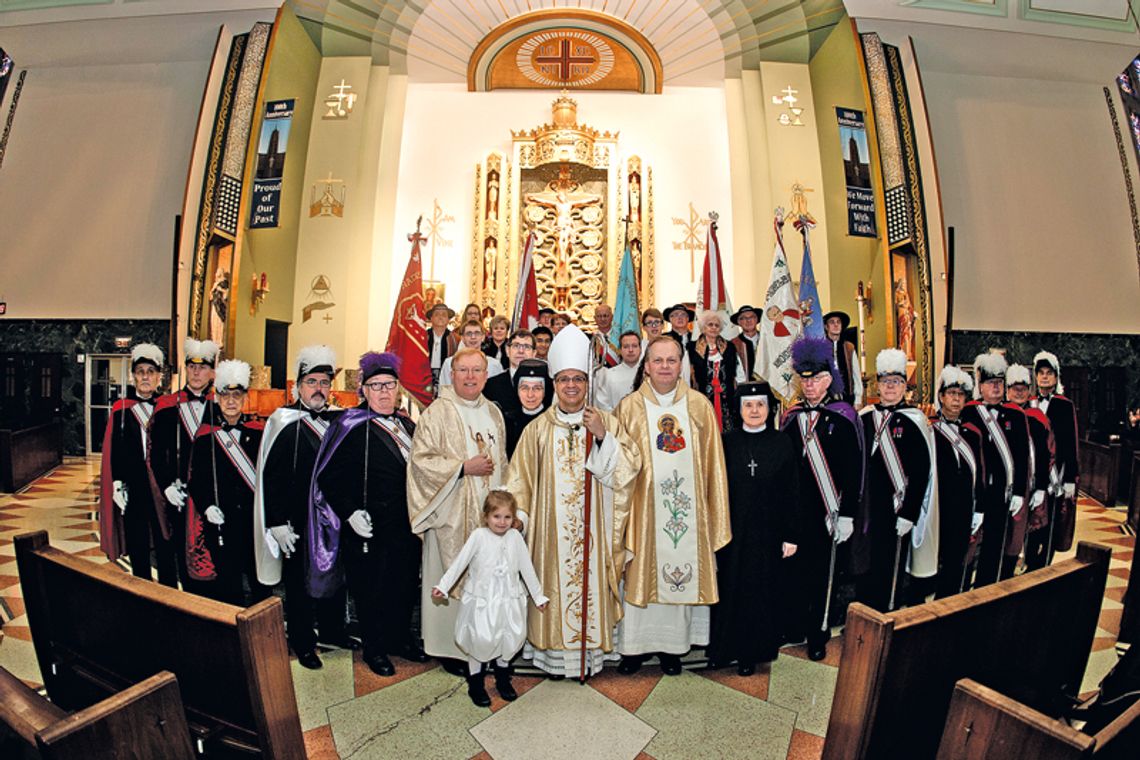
<point x="989" y="419"/>
<point x="674" y="504"/>
<point x="319" y="425"/>
<point x="890" y="453"/>
<point x="819" y="469"/>
<point x="231" y="444"/>
<point x="143" y="414"/>
<point x="396" y="431"/>
<point x="191" y="414"/>
<point x="959" y="446"/>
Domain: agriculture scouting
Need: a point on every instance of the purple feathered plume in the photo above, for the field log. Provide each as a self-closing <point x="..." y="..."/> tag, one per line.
<point x="373" y="361"/>
<point x="814" y="355"/>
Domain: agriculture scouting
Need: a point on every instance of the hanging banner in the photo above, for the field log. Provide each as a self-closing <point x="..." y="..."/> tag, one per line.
<point x="857" y="170"/>
<point x="266" y="202"/>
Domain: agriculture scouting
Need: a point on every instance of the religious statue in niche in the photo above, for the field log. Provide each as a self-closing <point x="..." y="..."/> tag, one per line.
<point x="220" y="295"/>
<point x="904" y="316"/>
<point x="635" y="199"/>
<point x="490" y="259"/>
<point x="572" y="209"/>
<point x="492" y="212"/>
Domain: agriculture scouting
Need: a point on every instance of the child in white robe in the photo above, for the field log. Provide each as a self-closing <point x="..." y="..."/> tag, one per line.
<point x="491" y="625"/>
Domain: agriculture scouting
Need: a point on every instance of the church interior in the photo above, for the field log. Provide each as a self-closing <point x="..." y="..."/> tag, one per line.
<point x="958" y="174"/>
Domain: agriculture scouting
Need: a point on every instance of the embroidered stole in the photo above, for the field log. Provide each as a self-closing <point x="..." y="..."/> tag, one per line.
<point x="813" y="451"/>
<point x="674" y="504"/>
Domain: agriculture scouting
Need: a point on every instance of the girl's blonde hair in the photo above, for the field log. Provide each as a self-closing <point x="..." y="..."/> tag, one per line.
<point x="499" y="498"/>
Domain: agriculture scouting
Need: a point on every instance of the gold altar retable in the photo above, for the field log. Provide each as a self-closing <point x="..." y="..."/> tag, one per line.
<point x="567" y="182"/>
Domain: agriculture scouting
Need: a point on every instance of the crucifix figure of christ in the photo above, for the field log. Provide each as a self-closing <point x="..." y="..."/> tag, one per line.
<point x="563" y="196"/>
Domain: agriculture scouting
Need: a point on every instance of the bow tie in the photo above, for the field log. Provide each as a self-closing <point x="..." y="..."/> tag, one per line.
<point x="191" y="396"/>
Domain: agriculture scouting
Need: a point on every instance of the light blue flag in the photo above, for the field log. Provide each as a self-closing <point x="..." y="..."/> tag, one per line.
<point x="627" y="314"/>
<point x="810" y="310"/>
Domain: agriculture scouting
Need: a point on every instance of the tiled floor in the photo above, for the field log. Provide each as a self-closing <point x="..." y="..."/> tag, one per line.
<point x="347" y="711"/>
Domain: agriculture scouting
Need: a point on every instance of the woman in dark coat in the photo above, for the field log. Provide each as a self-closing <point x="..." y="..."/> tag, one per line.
<point x="716" y="369"/>
<point x="763" y="484"/>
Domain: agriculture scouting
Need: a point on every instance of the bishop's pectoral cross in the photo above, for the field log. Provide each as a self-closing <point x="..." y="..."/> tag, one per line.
<point x="752" y="467"/>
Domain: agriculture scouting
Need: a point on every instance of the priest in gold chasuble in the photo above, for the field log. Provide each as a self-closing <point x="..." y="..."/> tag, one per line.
<point x="458" y="456"/>
<point x="548" y="478"/>
<point x="678" y="514"/>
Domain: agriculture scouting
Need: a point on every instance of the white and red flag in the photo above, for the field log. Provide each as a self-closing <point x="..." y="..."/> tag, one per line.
<point x="525" y="314"/>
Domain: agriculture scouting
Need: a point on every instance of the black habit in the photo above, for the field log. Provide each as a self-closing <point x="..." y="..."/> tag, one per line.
<point x="763" y="497"/>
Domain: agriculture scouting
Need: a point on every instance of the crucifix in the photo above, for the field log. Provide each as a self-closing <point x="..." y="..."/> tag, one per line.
<point x="752" y="467"/>
<point x="565" y="60"/>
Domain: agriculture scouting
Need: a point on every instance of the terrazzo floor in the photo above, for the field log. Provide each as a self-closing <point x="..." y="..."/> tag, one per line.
<point x="422" y="712"/>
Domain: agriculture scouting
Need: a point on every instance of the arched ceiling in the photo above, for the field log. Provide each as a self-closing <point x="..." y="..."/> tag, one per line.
<point x="700" y="41"/>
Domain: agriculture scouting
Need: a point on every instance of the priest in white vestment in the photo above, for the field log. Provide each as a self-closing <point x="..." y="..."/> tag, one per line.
<point x="615" y="383"/>
<point x="678" y="515"/>
<point x="458" y="456"/>
<point x="548" y="478"/>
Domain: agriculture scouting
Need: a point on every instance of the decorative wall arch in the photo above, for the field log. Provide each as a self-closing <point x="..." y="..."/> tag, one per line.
<point x="570" y="48"/>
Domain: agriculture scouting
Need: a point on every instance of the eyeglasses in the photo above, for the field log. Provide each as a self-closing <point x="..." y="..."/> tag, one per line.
<point x="654" y="322"/>
<point x="381" y="385"/>
<point x="572" y="379"/>
<point x="892" y="381"/>
<point x="468" y="370"/>
<point x="312" y="382"/>
<point x="521" y="344"/>
<point x="231" y="395"/>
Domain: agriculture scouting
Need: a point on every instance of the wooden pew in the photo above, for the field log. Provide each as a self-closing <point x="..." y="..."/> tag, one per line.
<point x="1029" y="637"/>
<point x="97" y="630"/>
<point x="984" y="724"/>
<point x="142" y="721"/>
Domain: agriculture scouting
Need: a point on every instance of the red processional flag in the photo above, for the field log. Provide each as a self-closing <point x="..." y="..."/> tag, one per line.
<point x="525" y="314"/>
<point x="407" y="337"/>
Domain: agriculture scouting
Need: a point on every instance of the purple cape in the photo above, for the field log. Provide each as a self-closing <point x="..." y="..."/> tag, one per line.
<point x="324" y="574"/>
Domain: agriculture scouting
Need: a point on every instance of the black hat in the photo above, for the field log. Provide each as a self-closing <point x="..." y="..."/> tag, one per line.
<point x="546" y="310"/>
<point x="542" y="330"/>
<point x="436" y="307"/>
<point x="680" y="307"/>
<point x="530" y="369"/>
<point x="744" y="390"/>
<point x="844" y="319"/>
<point x="740" y="311"/>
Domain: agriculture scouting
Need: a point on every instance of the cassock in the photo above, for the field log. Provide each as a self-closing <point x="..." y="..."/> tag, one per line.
<point x="362" y="465"/>
<point x="830" y="487"/>
<point x="900" y="483"/>
<point x="173" y="428"/>
<point x="288" y="453"/>
<point x="547" y="477"/>
<point x="961" y="475"/>
<point x="613" y="384"/>
<point x="445" y="505"/>
<point x="763" y="492"/>
<point x="223" y="473"/>
<point x="1005" y="453"/>
<point x="678" y="518"/>
<point x="144" y="521"/>
<point x="1062" y="477"/>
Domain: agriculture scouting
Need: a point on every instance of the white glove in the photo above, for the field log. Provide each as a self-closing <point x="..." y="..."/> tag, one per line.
<point x="1070" y="490"/>
<point x="361" y="523"/>
<point x="215" y="515"/>
<point x="176" y="494"/>
<point x="976" y="522"/>
<point x="844" y="527"/>
<point x="1015" y="505"/>
<point x="285" y="538"/>
<point x="903" y="526"/>
<point x="119" y="495"/>
<point x="1037" y="499"/>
